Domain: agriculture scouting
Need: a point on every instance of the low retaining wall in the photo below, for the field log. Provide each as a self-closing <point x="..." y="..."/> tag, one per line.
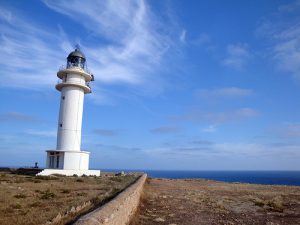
<point x="118" y="211"/>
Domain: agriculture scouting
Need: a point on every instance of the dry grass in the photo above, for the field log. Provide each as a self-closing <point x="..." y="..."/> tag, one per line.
<point x="38" y="200"/>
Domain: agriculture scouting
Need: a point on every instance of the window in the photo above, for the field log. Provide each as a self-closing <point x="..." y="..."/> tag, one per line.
<point x="51" y="161"/>
<point x="63" y="97"/>
<point x="57" y="161"/>
<point x="60" y="125"/>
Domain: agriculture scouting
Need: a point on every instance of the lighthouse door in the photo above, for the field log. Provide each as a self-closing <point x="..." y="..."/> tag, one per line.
<point x="51" y="161"/>
<point x="54" y="159"/>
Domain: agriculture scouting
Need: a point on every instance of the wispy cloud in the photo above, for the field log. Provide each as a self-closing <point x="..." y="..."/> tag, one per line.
<point x="218" y="117"/>
<point x="106" y="132"/>
<point x="209" y="129"/>
<point x="165" y="130"/>
<point x="29" y="51"/>
<point x="136" y="40"/>
<point x="125" y="43"/>
<point x="282" y="31"/>
<point x="202" y="39"/>
<point x="42" y="133"/>
<point x="286" y="130"/>
<point x="182" y="36"/>
<point x="16" y="117"/>
<point x="229" y="92"/>
<point x="237" y="56"/>
<point x="118" y="148"/>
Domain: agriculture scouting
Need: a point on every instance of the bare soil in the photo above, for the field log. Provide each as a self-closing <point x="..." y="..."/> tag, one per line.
<point x="196" y="202"/>
<point x="37" y="200"/>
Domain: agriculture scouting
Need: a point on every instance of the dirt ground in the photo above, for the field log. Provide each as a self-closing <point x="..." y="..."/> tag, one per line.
<point x="40" y="200"/>
<point x="196" y="202"/>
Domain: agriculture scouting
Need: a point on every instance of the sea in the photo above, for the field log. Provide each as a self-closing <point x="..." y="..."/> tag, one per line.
<point x="252" y="177"/>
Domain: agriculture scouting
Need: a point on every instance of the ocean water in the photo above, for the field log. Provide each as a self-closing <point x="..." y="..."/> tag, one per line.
<point x="253" y="177"/>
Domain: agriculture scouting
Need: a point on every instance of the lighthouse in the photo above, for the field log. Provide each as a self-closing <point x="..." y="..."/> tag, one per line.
<point x="68" y="158"/>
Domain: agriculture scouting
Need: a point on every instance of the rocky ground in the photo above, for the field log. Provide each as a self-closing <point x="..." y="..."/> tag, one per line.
<point x="196" y="202"/>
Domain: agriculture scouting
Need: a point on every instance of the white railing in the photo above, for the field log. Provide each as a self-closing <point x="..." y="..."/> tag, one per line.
<point x="64" y="67"/>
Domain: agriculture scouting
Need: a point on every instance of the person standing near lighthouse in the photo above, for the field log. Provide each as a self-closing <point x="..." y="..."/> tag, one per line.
<point x="68" y="159"/>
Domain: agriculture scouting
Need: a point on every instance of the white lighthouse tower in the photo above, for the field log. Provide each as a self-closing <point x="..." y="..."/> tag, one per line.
<point x="68" y="159"/>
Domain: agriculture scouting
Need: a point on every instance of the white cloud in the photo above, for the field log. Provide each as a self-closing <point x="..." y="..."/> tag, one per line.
<point x="202" y="39"/>
<point x="218" y="117"/>
<point x="129" y="45"/>
<point x="210" y="129"/>
<point x="42" y="133"/>
<point x="165" y="130"/>
<point x="237" y="56"/>
<point x="16" y="117"/>
<point x="136" y="39"/>
<point x="182" y="36"/>
<point x="31" y="54"/>
<point x="282" y="31"/>
<point x="229" y="92"/>
<point x="286" y="130"/>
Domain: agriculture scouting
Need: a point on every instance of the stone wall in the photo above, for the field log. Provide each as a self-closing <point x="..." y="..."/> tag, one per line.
<point x="118" y="211"/>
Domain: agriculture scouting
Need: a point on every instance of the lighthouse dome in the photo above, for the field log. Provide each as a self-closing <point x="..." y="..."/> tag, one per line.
<point x="76" y="53"/>
<point x="76" y="59"/>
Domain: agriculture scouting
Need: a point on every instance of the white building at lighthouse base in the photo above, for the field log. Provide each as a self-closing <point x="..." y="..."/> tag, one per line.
<point x="68" y="163"/>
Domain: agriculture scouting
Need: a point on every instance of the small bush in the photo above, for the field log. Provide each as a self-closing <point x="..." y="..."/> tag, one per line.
<point x="96" y="200"/>
<point x="3" y="175"/>
<point x="116" y="179"/>
<point x="58" y="175"/>
<point x="115" y="190"/>
<point x="20" y="196"/>
<point x="81" y="194"/>
<point x="65" y="191"/>
<point x="276" y="204"/>
<point x="47" y="195"/>
<point x="35" y="204"/>
<point x="16" y="206"/>
<point x="75" y="175"/>
<point x="259" y="203"/>
<point x="46" y="178"/>
<point x="79" y="180"/>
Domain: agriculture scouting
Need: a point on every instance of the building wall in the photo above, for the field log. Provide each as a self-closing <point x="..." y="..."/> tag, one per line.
<point x="76" y="161"/>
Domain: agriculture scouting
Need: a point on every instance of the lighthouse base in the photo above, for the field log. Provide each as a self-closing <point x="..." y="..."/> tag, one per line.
<point x="69" y="163"/>
<point x="47" y="172"/>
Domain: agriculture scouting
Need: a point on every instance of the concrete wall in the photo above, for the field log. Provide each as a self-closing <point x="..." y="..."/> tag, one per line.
<point x="118" y="211"/>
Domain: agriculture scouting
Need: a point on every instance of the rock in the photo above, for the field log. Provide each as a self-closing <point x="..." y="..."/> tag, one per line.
<point x="73" y="210"/>
<point x="57" y="218"/>
<point x="159" y="219"/>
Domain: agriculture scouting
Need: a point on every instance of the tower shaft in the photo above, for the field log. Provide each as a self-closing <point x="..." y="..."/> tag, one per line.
<point x="70" y="115"/>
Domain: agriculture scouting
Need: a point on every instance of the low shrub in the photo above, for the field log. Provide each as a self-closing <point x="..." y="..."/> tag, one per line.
<point x="46" y="178"/>
<point x="79" y="180"/>
<point x="16" y="206"/>
<point x="47" y="195"/>
<point x="65" y="191"/>
<point x="20" y="196"/>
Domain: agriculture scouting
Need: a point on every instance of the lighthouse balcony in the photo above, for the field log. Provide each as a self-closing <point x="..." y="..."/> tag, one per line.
<point x="85" y="86"/>
<point x="64" y="70"/>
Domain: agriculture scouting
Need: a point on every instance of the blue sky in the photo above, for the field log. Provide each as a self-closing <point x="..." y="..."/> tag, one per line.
<point x="187" y="85"/>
